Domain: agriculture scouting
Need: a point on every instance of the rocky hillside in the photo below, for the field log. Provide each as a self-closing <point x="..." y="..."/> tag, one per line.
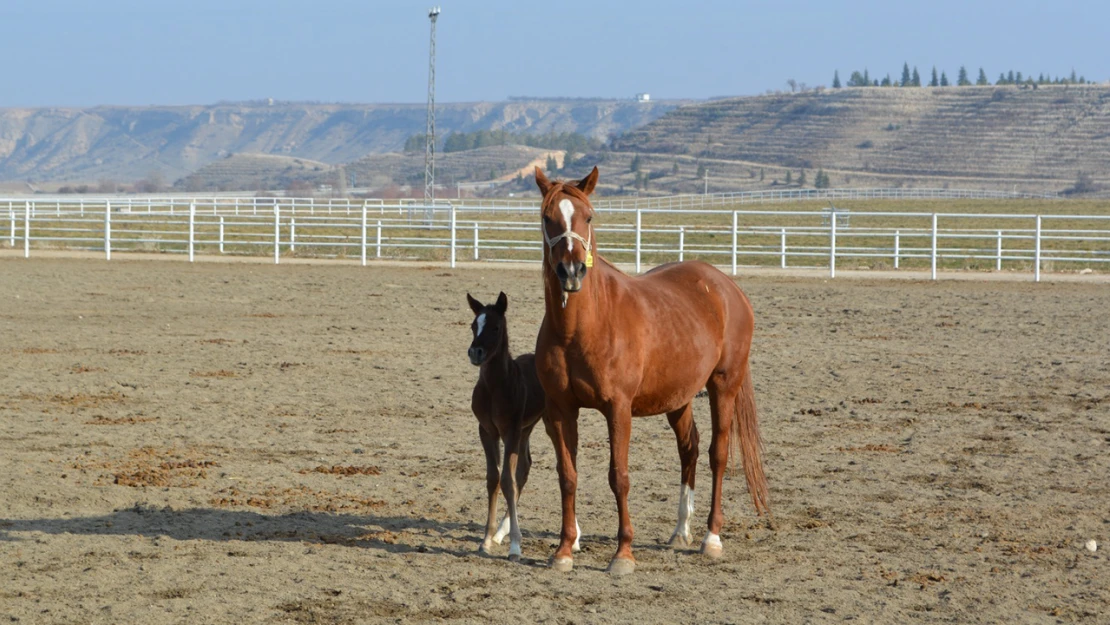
<point x="128" y="143"/>
<point x="980" y="134"/>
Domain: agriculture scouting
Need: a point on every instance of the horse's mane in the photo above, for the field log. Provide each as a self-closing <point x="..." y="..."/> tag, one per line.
<point x="568" y="187"/>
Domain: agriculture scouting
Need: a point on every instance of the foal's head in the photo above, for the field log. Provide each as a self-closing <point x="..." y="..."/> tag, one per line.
<point x="567" y="233"/>
<point x="490" y="332"/>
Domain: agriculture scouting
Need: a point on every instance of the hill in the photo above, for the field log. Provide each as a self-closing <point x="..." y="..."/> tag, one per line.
<point x="128" y="143"/>
<point x="982" y="136"/>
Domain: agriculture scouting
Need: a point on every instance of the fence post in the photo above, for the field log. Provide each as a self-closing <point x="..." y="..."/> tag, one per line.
<point x="638" y="230"/>
<point x="735" y="222"/>
<point x="378" y="251"/>
<point x="11" y="215"/>
<point x="475" y="240"/>
<point x="1037" y="252"/>
<point x="681" y="243"/>
<point x="192" y="228"/>
<point x="832" y="244"/>
<point x="221" y="234"/>
<point x="782" y="248"/>
<point x="107" y="231"/>
<point x="897" y="246"/>
<point x="998" y="252"/>
<point x="292" y="234"/>
<point x="277" y="232"/>
<point x="453" y="216"/>
<point x="26" y="230"/>
<point x="933" y="250"/>
<point x="362" y="238"/>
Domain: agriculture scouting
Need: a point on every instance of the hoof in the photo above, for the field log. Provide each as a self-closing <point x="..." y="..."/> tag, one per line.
<point x="563" y="565"/>
<point x="678" y="541"/>
<point x="713" y="550"/>
<point x="514" y="557"/>
<point x="484" y="550"/>
<point x="621" y="566"/>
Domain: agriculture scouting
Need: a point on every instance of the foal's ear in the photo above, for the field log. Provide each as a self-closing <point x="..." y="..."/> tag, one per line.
<point x="587" y="184"/>
<point x="542" y="182"/>
<point x="475" y="305"/>
<point x="502" y="303"/>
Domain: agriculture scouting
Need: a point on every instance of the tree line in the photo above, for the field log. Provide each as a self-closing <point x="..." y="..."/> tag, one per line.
<point x="462" y="141"/>
<point x="912" y="78"/>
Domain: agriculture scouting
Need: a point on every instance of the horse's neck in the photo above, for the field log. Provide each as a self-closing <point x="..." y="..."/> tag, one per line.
<point x="499" y="371"/>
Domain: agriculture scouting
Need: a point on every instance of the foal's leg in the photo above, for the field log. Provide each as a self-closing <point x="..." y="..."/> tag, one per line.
<point x="509" y="469"/>
<point x="562" y="426"/>
<point x="490" y="447"/>
<point x="686" y="433"/>
<point x="620" y="434"/>
<point x="722" y="404"/>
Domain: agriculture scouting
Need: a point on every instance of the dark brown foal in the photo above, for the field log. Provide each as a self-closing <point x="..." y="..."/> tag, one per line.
<point x="508" y="402"/>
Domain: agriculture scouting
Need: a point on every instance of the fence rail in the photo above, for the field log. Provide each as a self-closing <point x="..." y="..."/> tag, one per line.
<point x="488" y="231"/>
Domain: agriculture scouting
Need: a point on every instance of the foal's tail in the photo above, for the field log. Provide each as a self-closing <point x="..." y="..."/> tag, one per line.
<point x="746" y="442"/>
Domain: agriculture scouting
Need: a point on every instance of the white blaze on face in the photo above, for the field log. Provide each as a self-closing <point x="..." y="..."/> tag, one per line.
<point x="566" y="207"/>
<point x="481" y="324"/>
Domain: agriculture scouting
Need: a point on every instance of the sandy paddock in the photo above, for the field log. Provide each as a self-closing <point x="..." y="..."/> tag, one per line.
<point x="247" y="443"/>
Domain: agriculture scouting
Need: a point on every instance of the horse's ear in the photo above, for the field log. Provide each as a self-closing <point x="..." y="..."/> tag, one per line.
<point x="587" y="184"/>
<point x="475" y="305"/>
<point x="502" y="303"/>
<point x="542" y="182"/>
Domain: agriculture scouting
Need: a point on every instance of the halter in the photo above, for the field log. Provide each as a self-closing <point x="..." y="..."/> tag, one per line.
<point x="552" y="242"/>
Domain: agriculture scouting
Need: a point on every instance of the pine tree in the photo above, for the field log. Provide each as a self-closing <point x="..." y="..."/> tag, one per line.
<point x="944" y="79"/>
<point x="916" y="80"/>
<point x="961" y="78"/>
<point x="802" y="178"/>
<point x="635" y="166"/>
<point x="1018" y="79"/>
<point x="866" y="77"/>
<point x="982" y="80"/>
<point x="1001" y="79"/>
<point x="836" y="79"/>
<point x="906" y="78"/>
<point x="789" y="177"/>
<point x="761" y="174"/>
<point x="935" y="82"/>
<point x="551" y="165"/>
<point x="1010" y="77"/>
<point x="886" y="81"/>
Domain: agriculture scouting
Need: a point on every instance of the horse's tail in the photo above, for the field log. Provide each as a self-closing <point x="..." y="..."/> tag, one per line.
<point x="748" y="444"/>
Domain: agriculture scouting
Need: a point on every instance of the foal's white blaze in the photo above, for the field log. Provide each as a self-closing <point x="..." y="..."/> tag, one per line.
<point x="566" y="207"/>
<point x="685" y="511"/>
<point x="481" y="324"/>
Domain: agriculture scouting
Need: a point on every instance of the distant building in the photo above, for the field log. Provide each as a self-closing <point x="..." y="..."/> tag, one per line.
<point x="643" y="97"/>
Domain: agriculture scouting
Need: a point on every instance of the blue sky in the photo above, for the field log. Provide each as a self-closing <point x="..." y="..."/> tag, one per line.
<point x="136" y="52"/>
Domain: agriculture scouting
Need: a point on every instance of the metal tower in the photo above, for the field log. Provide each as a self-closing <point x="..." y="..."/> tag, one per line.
<point x="430" y="129"/>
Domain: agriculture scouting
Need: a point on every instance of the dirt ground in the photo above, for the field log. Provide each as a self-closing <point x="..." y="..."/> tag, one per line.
<point x="250" y="443"/>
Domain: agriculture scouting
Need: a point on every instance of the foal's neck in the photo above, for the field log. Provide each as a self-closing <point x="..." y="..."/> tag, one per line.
<point x="499" y="367"/>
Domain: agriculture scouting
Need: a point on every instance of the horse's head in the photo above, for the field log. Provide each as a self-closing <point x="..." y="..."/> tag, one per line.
<point x="490" y="333"/>
<point x="567" y="233"/>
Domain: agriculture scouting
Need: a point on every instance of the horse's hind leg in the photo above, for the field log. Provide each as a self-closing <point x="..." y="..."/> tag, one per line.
<point x="686" y="434"/>
<point x="722" y="404"/>
<point x="490" y="447"/>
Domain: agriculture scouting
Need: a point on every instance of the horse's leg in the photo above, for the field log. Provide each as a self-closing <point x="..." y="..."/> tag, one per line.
<point x="619" y="421"/>
<point x="686" y="434"/>
<point x="490" y="447"/>
<point x="562" y="426"/>
<point x="722" y="403"/>
<point x="509" y="468"/>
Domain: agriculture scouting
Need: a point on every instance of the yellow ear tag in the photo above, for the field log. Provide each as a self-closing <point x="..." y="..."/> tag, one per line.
<point x="589" y="258"/>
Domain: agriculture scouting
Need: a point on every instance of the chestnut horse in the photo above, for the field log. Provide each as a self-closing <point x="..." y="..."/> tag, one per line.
<point x="507" y="401"/>
<point x="637" y="346"/>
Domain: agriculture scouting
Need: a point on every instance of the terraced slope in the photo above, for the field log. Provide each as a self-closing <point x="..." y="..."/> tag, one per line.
<point x="256" y="171"/>
<point x="988" y="133"/>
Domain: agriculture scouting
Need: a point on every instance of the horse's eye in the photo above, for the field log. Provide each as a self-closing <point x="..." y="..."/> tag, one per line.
<point x="546" y="219"/>
<point x="590" y="219"/>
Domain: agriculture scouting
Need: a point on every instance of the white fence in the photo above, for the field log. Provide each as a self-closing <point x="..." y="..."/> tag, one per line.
<point x="496" y="231"/>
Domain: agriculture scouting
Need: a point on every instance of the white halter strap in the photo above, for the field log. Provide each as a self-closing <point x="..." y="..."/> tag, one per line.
<point x="553" y="241"/>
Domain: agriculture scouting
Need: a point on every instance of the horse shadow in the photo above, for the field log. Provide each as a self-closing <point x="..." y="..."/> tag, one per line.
<point x="392" y="534"/>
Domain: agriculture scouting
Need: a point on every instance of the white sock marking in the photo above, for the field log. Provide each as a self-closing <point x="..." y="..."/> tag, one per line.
<point x="712" y="539"/>
<point x="567" y="208"/>
<point x="502" y="531"/>
<point x="685" y="511"/>
<point x="577" y="534"/>
<point x="481" y="324"/>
